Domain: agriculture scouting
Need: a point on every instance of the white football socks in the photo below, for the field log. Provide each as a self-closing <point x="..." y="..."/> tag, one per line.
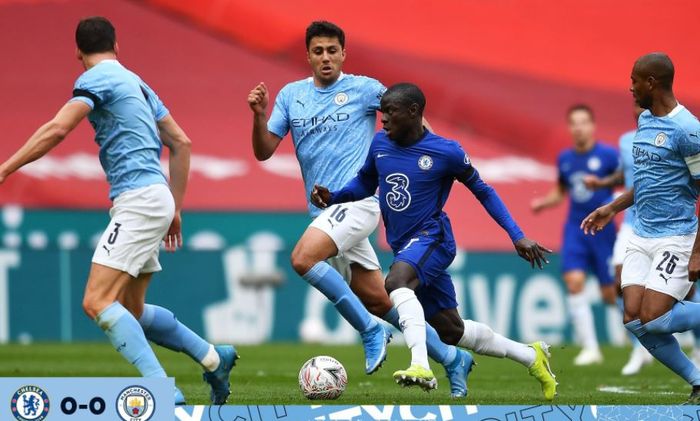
<point x="483" y="340"/>
<point x="582" y="319"/>
<point x="412" y="322"/>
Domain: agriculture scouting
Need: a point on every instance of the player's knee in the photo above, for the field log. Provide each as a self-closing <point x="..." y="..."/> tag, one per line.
<point x="302" y="262"/>
<point x="393" y="283"/>
<point x="93" y="306"/>
<point x="451" y="333"/>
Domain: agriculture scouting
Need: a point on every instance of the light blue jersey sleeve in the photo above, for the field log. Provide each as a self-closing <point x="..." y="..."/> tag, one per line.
<point x="91" y="88"/>
<point x="157" y="106"/>
<point x="278" y="124"/>
<point x="689" y="148"/>
<point x="374" y="90"/>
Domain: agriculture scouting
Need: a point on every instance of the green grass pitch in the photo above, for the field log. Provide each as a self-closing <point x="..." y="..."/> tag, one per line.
<point x="267" y="374"/>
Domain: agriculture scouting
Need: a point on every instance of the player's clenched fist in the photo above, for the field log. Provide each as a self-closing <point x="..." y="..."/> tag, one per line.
<point x="320" y="196"/>
<point x="258" y="98"/>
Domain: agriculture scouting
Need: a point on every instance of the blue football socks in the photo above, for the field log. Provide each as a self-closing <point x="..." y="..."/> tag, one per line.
<point x="161" y="327"/>
<point x="128" y="339"/>
<point x="665" y="348"/>
<point x="327" y="280"/>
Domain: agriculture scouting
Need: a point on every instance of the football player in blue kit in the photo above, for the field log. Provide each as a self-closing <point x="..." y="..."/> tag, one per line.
<point x="662" y="260"/>
<point x="414" y="170"/>
<point x="581" y="254"/>
<point x="131" y="126"/>
<point x="331" y="117"/>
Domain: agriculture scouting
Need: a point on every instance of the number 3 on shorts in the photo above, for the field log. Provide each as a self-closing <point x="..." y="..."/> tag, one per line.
<point x="114" y="234"/>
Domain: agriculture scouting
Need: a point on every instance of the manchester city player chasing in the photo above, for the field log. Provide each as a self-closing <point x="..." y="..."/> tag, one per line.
<point x="624" y="176"/>
<point x="581" y="254"/>
<point x="414" y="170"/>
<point x="131" y="125"/>
<point x="332" y="116"/>
<point x="663" y="256"/>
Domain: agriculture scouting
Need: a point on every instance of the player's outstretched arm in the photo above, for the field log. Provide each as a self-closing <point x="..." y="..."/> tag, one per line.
<point x="264" y="143"/>
<point x="46" y="137"/>
<point x="600" y="217"/>
<point x="175" y="139"/>
<point x="489" y="199"/>
<point x="615" y="179"/>
<point x="552" y="199"/>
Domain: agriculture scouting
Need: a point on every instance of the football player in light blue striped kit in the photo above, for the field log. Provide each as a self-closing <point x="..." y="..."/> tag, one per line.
<point x="663" y="256"/>
<point x="131" y="125"/>
<point x="331" y="116"/>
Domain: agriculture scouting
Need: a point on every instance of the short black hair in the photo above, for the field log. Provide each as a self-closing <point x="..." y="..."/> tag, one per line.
<point x="95" y="35"/>
<point x="659" y="66"/>
<point x="323" y="28"/>
<point x="407" y="94"/>
<point x="580" y="107"/>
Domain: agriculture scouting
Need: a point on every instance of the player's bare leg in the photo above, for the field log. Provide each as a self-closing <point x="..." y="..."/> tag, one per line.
<point x="308" y="260"/>
<point x="481" y="339"/>
<point x="401" y="284"/>
<point x="162" y="327"/>
<point x="582" y="318"/>
<point x="368" y="285"/>
<point x="105" y="287"/>
<point x="639" y="356"/>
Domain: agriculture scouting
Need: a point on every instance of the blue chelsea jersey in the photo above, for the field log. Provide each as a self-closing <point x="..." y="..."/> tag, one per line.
<point x="331" y="127"/>
<point x="601" y="160"/>
<point x="124" y="115"/>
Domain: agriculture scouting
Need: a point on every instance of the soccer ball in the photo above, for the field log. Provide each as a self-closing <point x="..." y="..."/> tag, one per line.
<point x="322" y="377"/>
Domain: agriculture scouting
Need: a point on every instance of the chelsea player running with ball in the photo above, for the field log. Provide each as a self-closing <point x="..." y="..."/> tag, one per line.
<point x="414" y="170"/>
<point x="663" y="255"/>
<point x="131" y="125"/>
<point x="331" y="116"/>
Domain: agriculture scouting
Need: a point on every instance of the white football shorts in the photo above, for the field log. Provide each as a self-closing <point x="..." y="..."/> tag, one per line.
<point x="349" y="225"/>
<point x="623" y="237"/>
<point x="659" y="264"/>
<point x="140" y="219"/>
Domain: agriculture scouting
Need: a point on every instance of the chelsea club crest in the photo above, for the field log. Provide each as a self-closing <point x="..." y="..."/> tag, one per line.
<point x="425" y="162"/>
<point x="135" y="403"/>
<point x="30" y="403"/>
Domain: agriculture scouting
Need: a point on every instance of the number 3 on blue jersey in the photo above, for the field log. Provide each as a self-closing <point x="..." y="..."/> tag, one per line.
<point x="398" y="198"/>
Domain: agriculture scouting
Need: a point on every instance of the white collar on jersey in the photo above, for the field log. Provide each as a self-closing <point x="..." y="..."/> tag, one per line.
<point x="342" y="75"/>
<point x="675" y="111"/>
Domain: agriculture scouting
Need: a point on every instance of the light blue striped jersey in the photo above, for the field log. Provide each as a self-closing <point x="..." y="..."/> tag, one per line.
<point x="124" y="115"/>
<point x="666" y="165"/>
<point x="332" y="127"/>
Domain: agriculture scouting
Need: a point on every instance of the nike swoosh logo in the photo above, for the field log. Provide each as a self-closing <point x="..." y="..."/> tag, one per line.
<point x="381" y="155"/>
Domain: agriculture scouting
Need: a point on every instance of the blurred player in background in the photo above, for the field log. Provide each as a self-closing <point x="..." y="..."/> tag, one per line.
<point x="582" y="254"/>
<point x="332" y="116"/>
<point x="131" y="125"/>
<point x="663" y="255"/>
<point x="415" y="170"/>
<point x="624" y="177"/>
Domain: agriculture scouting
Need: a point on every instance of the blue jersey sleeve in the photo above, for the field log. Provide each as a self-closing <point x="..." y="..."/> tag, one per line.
<point x="278" y="124"/>
<point x="157" y="107"/>
<point x="92" y="89"/>
<point x="363" y="185"/>
<point x="373" y="92"/>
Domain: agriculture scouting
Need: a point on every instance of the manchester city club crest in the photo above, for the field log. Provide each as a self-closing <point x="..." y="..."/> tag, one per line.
<point x="135" y="403"/>
<point x="30" y="403"/>
<point x="425" y="162"/>
<point x="660" y="139"/>
<point x="341" y="98"/>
